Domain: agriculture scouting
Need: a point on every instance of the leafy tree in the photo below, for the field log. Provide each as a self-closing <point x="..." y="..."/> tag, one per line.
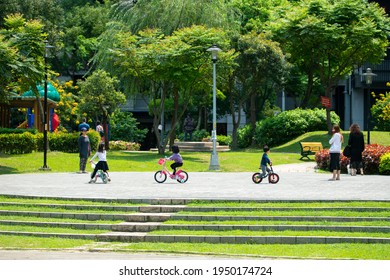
<point x="124" y="127"/>
<point x="171" y="15"/>
<point x="261" y="66"/>
<point x="98" y="95"/>
<point x="24" y="48"/>
<point x="78" y="42"/>
<point x="8" y="62"/>
<point x="327" y="39"/>
<point x="159" y="67"/>
<point x="381" y="112"/>
<point x="67" y="108"/>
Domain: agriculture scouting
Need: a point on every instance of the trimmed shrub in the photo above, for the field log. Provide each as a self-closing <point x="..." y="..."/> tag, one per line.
<point x="290" y="124"/>
<point x="124" y="146"/>
<point x="371" y="159"/>
<point x="125" y="127"/>
<point x="384" y="164"/>
<point x="245" y="136"/>
<point x="224" y="140"/>
<point x="18" y="143"/>
<point x="198" y="135"/>
<point x="17" y="130"/>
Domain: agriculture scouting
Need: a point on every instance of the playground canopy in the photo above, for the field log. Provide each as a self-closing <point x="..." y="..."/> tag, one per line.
<point x="29" y="100"/>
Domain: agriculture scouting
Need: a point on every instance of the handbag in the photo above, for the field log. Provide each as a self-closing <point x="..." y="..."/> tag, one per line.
<point x="347" y="151"/>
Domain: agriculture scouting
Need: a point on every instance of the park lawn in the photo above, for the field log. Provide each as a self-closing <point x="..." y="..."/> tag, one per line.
<point x="377" y="137"/>
<point x="122" y="161"/>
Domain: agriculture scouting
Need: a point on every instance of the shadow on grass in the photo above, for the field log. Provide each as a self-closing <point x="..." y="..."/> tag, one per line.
<point x="8" y="170"/>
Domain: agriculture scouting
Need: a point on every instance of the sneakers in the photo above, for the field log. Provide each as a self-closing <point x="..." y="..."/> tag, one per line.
<point x="90" y="181"/>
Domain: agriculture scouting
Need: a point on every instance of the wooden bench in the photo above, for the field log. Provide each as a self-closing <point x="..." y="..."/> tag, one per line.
<point x="309" y="148"/>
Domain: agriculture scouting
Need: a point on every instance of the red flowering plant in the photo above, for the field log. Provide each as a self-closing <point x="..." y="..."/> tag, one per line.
<point x="371" y="159"/>
<point x="323" y="159"/>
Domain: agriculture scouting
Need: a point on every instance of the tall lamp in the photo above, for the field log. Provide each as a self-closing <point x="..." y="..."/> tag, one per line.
<point x="368" y="77"/>
<point x="45" y="124"/>
<point x="214" y="163"/>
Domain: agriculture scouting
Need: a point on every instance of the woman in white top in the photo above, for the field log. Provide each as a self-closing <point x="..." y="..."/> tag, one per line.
<point x="102" y="164"/>
<point x="334" y="151"/>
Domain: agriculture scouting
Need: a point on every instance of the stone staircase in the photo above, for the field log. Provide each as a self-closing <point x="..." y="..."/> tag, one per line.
<point x="139" y="222"/>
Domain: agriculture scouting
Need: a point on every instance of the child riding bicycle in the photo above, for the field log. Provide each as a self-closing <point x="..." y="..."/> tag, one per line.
<point x="265" y="161"/>
<point x="102" y="164"/>
<point x="176" y="157"/>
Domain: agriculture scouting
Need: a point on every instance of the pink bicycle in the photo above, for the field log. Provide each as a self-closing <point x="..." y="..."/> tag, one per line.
<point x="160" y="176"/>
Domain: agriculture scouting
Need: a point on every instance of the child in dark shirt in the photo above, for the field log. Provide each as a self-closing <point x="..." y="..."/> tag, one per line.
<point x="265" y="161"/>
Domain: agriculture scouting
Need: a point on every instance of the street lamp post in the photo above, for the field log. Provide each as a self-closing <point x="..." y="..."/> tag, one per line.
<point x="214" y="163"/>
<point x="45" y="124"/>
<point x="368" y="77"/>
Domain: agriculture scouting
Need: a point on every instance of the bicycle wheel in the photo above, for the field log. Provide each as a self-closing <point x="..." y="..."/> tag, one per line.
<point x="273" y="178"/>
<point x="104" y="178"/>
<point x="256" y="178"/>
<point x="183" y="177"/>
<point x="160" y="176"/>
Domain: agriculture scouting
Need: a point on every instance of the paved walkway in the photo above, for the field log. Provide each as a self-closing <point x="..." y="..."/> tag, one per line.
<point x="297" y="182"/>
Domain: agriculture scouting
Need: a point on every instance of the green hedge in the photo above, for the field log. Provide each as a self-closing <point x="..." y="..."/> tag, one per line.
<point x="18" y="143"/>
<point x="27" y="142"/>
<point x="384" y="164"/>
<point x="290" y="124"/>
<point x="4" y="130"/>
<point x="284" y="127"/>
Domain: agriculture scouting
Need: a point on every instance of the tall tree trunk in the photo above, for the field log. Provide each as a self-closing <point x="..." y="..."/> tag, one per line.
<point x="308" y="92"/>
<point x="105" y="125"/>
<point x="174" y="117"/>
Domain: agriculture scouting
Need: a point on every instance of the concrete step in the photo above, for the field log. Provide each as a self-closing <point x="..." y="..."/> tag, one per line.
<point x="74" y="206"/>
<point x="276" y="218"/>
<point x="78" y="216"/>
<point x="148" y="217"/>
<point x="145" y="209"/>
<point x="144" y="237"/>
<point x="58" y="224"/>
<point x="249" y="209"/>
<point x="136" y="227"/>
<point x="216" y="227"/>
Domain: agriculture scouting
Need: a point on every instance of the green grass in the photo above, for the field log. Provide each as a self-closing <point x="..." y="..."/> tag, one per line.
<point x="377" y="137"/>
<point x="51" y="229"/>
<point x="56" y="220"/>
<point x="260" y="222"/>
<point x="326" y="251"/>
<point x="65" y="201"/>
<point x="235" y="161"/>
<point x="317" y="213"/>
<point x="253" y="204"/>
<point x="269" y="233"/>
<point x="60" y="210"/>
<point x="29" y="242"/>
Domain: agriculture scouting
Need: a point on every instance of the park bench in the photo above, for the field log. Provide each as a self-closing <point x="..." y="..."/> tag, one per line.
<point x="309" y="148"/>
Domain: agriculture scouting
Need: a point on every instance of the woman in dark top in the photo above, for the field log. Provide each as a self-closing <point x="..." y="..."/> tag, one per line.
<point x="356" y="141"/>
<point x="84" y="149"/>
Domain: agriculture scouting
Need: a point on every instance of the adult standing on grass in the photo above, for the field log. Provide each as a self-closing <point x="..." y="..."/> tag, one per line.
<point x="84" y="149"/>
<point x="84" y="124"/>
<point x="334" y="151"/>
<point x="356" y="142"/>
